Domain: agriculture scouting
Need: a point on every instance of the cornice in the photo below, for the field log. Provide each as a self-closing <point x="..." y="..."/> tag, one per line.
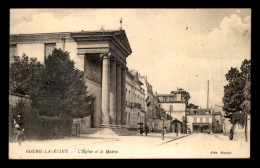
<point x="77" y="37"/>
<point x="106" y="35"/>
<point x="39" y="38"/>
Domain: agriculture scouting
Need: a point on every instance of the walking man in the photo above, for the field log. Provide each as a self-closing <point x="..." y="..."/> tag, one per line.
<point x="141" y="129"/>
<point x="146" y="129"/>
<point x="19" y="125"/>
<point x="231" y="134"/>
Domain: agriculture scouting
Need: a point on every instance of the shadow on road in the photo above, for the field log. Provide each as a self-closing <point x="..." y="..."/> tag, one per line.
<point x="173" y="140"/>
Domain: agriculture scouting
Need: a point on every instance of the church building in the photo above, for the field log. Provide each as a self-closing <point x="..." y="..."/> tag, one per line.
<point x="102" y="55"/>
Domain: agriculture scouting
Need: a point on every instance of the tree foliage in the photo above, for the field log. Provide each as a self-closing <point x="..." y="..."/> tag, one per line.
<point x="56" y="88"/>
<point x="192" y="106"/>
<point x="61" y="90"/>
<point x="235" y="90"/>
<point x="184" y="94"/>
<point x="21" y="74"/>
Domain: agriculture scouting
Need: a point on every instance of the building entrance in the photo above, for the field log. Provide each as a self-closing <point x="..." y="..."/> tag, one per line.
<point x="201" y="128"/>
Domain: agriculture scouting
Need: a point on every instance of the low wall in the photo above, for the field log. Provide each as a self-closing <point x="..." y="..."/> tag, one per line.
<point x="239" y="131"/>
<point x="15" y="98"/>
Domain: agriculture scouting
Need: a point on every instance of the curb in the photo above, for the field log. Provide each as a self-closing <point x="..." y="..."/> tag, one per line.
<point x="173" y="140"/>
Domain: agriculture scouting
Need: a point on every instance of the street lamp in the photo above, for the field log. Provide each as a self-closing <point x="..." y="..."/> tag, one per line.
<point x="171" y="118"/>
<point x="163" y="115"/>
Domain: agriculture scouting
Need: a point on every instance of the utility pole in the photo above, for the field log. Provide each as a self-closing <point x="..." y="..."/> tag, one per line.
<point x="163" y="130"/>
<point x="171" y="118"/>
<point x="208" y="96"/>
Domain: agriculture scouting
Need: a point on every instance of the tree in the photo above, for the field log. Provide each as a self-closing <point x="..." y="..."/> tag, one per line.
<point x="184" y="94"/>
<point x="234" y="93"/>
<point x="192" y="106"/>
<point x="60" y="90"/>
<point x="21" y="74"/>
<point x="246" y="105"/>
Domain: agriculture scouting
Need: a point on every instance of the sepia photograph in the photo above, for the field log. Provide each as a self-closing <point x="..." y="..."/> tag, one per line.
<point x="112" y="83"/>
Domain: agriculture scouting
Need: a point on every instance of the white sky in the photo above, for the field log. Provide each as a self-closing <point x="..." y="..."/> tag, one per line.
<point x="174" y="47"/>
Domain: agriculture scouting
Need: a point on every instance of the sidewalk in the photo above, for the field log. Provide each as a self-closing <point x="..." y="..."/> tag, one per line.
<point x="226" y="137"/>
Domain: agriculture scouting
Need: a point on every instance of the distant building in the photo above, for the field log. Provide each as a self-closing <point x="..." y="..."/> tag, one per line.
<point x="199" y="120"/>
<point x="175" y="106"/>
<point x="135" y="100"/>
<point x="154" y="112"/>
<point x="218" y="119"/>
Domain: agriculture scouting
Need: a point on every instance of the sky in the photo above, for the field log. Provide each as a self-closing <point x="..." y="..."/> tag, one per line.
<point x="174" y="48"/>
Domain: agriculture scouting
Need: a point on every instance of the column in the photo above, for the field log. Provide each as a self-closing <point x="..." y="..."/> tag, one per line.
<point x="123" y="96"/>
<point x="113" y="91"/>
<point x="105" y="89"/>
<point x="118" y="93"/>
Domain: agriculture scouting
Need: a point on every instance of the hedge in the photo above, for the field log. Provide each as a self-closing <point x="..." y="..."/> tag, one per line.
<point x="39" y="127"/>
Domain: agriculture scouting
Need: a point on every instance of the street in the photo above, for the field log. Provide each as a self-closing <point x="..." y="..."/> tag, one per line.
<point x="151" y="146"/>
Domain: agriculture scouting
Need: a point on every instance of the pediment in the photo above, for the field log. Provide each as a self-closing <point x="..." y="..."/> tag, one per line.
<point x="118" y="37"/>
<point x="122" y="39"/>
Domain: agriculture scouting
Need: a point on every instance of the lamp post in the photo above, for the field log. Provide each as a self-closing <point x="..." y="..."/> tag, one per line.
<point x="163" y="130"/>
<point x="171" y="118"/>
<point x="163" y="114"/>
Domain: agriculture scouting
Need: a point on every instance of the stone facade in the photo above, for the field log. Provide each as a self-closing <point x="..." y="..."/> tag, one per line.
<point x="175" y="105"/>
<point x="154" y="113"/>
<point x="135" y="100"/>
<point x="200" y="122"/>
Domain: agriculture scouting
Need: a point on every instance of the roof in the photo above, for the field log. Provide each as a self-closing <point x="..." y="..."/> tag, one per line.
<point x="176" y="120"/>
<point x="117" y="36"/>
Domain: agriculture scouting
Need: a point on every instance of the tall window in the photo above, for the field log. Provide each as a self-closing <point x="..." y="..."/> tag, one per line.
<point x="12" y="53"/>
<point x="48" y="49"/>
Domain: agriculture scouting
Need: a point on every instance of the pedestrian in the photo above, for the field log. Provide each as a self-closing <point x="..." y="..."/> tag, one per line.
<point x="141" y="129"/>
<point x="146" y="129"/>
<point x="19" y="126"/>
<point x="165" y="130"/>
<point x="231" y="133"/>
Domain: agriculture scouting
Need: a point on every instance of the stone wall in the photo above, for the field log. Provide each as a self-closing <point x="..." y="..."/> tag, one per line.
<point x="239" y="131"/>
<point x="15" y="98"/>
<point x="95" y="90"/>
<point x="37" y="50"/>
